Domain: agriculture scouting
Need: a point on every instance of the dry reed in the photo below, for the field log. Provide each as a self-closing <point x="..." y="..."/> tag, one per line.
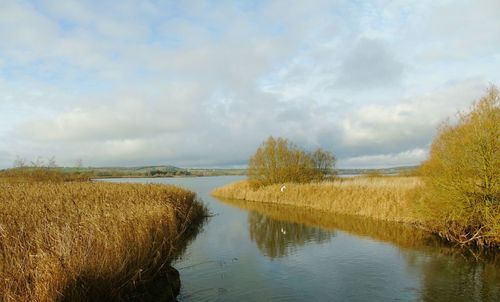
<point x="387" y="231"/>
<point x="82" y="240"/>
<point x="386" y="198"/>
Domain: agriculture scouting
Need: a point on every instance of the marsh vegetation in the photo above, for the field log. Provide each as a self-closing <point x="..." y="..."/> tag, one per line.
<point x="386" y="198"/>
<point x="461" y="200"/>
<point x="69" y="240"/>
<point x="456" y="194"/>
<point x="278" y="160"/>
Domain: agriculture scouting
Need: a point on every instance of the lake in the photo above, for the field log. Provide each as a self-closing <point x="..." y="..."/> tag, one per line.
<point x="255" y="252"/>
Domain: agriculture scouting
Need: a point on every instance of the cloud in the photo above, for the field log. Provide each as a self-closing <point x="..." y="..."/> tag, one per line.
<point x="203" y="83"/>
<point x="128" y="115"/>
<point x="370" y="64"/>
<point x="467" y="28"/>
<point x="404" y="158"/>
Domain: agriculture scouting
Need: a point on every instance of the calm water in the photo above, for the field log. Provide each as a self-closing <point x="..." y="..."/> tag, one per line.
<point x="248" y="252"/>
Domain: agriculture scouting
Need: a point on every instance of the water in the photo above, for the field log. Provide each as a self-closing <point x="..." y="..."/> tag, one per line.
<point x="251" y="252"/>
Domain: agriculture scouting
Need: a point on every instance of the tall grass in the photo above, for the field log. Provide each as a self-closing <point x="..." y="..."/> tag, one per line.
<point x="386" y="231"/>
<point x="85" y="241"/>
<point x="386" y="198"/>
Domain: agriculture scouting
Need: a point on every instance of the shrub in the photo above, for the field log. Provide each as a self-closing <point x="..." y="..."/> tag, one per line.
<point x="42" y="174"/>
<point x="280" y="161"/>
<point x="462" y="176"/>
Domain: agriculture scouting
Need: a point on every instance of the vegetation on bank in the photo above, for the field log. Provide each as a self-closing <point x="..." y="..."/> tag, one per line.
<point x="462" y="176"/>
<point x="172" y="171"/>
<point x="386" y="198"/>
<point x="78" y="240"/>
<point x="278" y="160"/>
<point x="102" y="172"/>
<point x="382" y="230"/>
<point x="41" y="174"/>
<point x="457" y="193"/>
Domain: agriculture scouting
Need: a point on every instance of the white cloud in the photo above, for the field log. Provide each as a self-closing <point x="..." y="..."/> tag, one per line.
<point x="202" y="83"/>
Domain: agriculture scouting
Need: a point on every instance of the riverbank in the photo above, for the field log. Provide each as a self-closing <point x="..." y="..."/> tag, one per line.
<point x="388" y="198"/>
<point x="405" y="236"/>
<point x="385" y="198"/>
<point x="74" y="241"/>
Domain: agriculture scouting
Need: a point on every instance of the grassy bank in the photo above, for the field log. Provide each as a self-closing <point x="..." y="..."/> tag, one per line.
<point x="386" y="198"/>
<point x="381" y="230"/>
<point x="72" y="240"/>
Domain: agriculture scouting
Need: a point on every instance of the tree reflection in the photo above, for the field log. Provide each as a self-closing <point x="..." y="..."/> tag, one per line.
<point x="446" y="272"/>
<point x="277" y="238"/>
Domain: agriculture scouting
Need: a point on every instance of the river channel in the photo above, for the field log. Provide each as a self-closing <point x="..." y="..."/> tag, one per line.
<point x="255" y="252"/>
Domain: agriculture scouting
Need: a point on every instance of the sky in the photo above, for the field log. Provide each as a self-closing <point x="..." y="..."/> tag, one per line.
<point x="203" y="83"/>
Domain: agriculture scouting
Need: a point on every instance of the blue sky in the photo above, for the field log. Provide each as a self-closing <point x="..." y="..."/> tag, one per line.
<point x="203" y="83"/>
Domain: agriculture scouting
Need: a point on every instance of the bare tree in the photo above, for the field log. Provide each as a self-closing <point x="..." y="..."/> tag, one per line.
<point x="38" y="162"/>
<point x="19" y="162"/>
<point x="79" y="163"/>
<point x="51" y="162"/>
<point x="324" y="161"/>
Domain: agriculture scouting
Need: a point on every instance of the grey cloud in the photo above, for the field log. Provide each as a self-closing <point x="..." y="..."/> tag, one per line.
<point x="370" y="64"/>
<point x="405" y="158"/>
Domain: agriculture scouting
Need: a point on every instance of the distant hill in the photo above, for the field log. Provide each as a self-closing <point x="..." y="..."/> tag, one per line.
<point x="141" y="171"/>
<point x="171" y="171"/>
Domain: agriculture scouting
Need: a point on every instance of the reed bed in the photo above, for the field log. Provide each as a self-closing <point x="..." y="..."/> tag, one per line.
<point x="385" y="198"/>
<point x="403" y="235"/>
<point x="72" y="241"/>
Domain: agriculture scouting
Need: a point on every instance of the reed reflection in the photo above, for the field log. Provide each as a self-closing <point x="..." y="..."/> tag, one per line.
<point x="447" y="273"/>
<point x="403" y="236"/>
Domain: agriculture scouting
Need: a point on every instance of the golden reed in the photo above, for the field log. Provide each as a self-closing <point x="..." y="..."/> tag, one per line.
<point x="65" y="240"/>
<point x="386" y="198"/>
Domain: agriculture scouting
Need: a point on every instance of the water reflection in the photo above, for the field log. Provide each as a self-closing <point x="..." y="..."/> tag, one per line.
<point x="278" y="238"/>
<point x="324" y="222"/>
<point x="446" y="273"/>
<point x="457" y="277"/>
